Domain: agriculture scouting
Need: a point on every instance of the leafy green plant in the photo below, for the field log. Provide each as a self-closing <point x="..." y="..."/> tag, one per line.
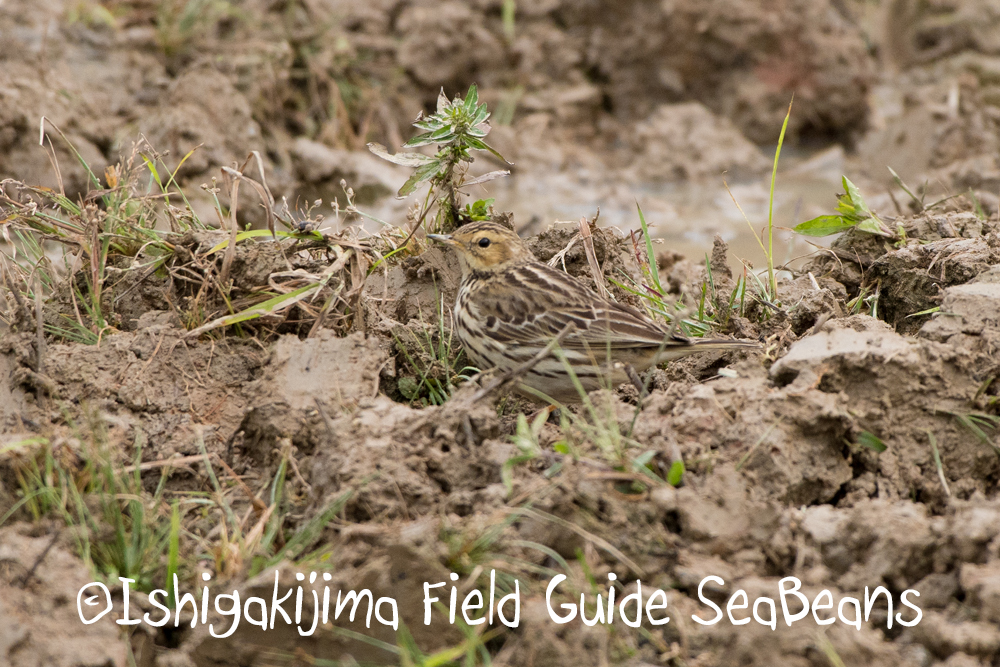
<point x="525" y="438"/>
<point x="865" y="301"/>
<point x="852" y="211"/>
<point x="918" y="202"/>
<point x="478" y="210"/>
<point x="456" y="128"/>
<point x="491" y="547"/>
<point x="871" y="441"/>
<point x="764" y="293"/>
<point x="712" y="309"/>
<point x="936" y="454"/>
<point x="597" y="426"/>
<point x="108" y="248"/>
<point x="676" y="473"/>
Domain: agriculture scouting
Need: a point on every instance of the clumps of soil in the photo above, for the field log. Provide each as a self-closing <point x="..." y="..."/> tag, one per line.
<point x="153" y="381"/>
<point x="657" y="53"/>
<point x="841" y="453"/>
<point x="935" y="251"/>
<point x="291" y="81"/>
<point x="679" y="142"/>
<point x="784" y="476"/>
<point x="40" y="575"/>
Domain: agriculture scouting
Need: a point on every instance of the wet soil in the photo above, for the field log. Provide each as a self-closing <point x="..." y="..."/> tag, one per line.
<point x="783" y="473"/>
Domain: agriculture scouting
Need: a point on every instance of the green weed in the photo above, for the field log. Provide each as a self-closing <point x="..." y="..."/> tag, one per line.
<point x="109" y="240"/>
<point x="597" y="427"/>
<point x="937" y="461"/>
<point x="865" y="301"/>
<point x="106" y="250"/>
<point x="456" y="128"/>
<point x="768" y="294"/>
<point x="852" y="212"/>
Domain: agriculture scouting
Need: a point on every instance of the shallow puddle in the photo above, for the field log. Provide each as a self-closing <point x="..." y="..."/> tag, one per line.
<point x="685" y="216"/>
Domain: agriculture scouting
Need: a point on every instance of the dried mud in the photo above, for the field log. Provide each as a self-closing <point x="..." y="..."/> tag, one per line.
<point x="777" y="483"/>
<point x="780" y="478"/>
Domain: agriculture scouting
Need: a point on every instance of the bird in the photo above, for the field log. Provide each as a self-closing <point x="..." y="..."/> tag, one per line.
<point x="510" y="307"/>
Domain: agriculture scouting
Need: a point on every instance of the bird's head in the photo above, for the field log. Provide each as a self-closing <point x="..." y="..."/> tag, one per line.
<point x="485" y="246"/>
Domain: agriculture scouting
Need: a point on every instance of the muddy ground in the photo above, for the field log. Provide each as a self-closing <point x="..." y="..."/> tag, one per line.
<point x="878" y="343"/>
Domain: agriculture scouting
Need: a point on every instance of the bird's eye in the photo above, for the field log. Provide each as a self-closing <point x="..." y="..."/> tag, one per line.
<point x="484" y="242"/>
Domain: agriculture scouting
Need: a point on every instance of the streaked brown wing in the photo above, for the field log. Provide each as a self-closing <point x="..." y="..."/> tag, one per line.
<point x="529" y="304"/>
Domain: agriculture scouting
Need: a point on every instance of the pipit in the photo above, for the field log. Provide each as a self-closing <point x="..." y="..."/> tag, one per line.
<point x="510" y="306"/>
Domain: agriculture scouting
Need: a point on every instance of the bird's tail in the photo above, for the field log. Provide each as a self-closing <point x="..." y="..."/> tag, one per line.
<point x="701" y="345"/>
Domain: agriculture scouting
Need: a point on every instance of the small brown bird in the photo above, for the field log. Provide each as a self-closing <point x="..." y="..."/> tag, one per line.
<point x="510" y="306"/>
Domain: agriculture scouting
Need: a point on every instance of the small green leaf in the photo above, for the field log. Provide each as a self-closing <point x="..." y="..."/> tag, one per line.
<point x="871" y="226"/>
<point x="425" y="173"/>
<point x="871" y="441"/>
<point x="654" y="271"/>
<point x="481" y="115"/>
<point x="419" y="140"/>
<point x="676" y="473"/>
<point x="824" y="225"/>
<point x="640" y="463"/>
<point x="480" y="210"/>
<point x="846" y="208"/>
<point x="980" y="213"/>
<point x="268" y="307"/>
<point x="252" y="233"/>
<point x="430" y="124"/>
<point x="643" y="459"/>
<point x="856" y="199"/>
<point x="443" y="135"/>
<point x="538" y="424"/>
<point x="472" y="98"/>
<point x="929" y="311"/>
<point x="481" y="145"/>
<point x="901" y="184"/>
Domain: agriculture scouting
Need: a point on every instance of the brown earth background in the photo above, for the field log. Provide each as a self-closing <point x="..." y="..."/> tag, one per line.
<point x="595" y="102"/>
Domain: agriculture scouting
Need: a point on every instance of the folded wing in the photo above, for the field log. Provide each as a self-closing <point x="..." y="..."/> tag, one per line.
<point x="530" y="304"/>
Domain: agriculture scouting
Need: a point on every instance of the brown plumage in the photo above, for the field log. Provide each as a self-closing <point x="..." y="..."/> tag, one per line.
<point x="510" y="306"/>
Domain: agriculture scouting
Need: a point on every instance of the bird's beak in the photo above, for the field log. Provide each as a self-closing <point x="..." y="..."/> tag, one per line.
<point x="442" y="238"/>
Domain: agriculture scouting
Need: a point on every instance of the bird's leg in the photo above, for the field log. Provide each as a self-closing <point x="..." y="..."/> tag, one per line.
<point x="467" y="428"/>
<point x="636" y="380"/>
